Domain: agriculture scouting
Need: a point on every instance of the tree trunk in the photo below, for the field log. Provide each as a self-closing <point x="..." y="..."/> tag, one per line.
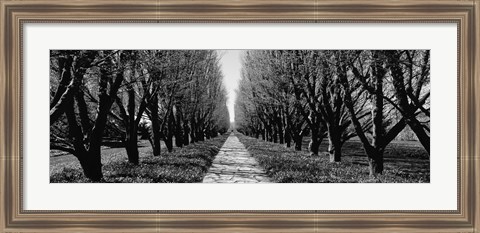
<point x="169" y="143"/>
<point x="186" y="133"/>
<point x="193" y="132"/>
<point x="275" y="133"/>
<point x="170" y="132"/>
<point x="94" y="158"/>
<point x="375" y="154"/>
<point x="375" y="161"/>
<point x="179" y="140"/>
<point x="297" y="138"/>
<point x="94" y="152"/>
<point x="280" y="130"/>
<point x="264" y="137"/>
<point x="156" y="134"/>
<point x="132" y="146"/>
<point x="314" y="141"/>
<point x="314" y="146"/>
<point x="131" y="133"/>
<point x="298" y="142"/>
<point x="200" y="135"/>
<point x="269" y="133"/>
<point x="208" y="133"/>
<point x="83" y="111"/>
<point x="288" y="136"/>
<point x="178" y="129"/>
<point x="335" y="150"/>
<point x="335" y="145"/>
<point x="91" y="165"/>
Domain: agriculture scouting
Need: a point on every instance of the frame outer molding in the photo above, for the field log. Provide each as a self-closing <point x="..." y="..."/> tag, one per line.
<point x="476" y="75"/>
<point x="15" y="12"/>
<point x="3" y="114"/>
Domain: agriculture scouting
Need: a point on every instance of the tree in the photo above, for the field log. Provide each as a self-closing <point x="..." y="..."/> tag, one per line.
<point x="85" y="140"/>
<point x="301" y="73"/>
<point x="369" y="74"/>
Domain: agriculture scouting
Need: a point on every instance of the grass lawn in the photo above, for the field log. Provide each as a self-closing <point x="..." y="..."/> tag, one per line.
<point x="404" y="162"/>
<point x="184" y="165"/>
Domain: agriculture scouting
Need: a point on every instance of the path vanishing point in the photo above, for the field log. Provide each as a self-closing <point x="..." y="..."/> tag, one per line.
<point x="233" y="164"/>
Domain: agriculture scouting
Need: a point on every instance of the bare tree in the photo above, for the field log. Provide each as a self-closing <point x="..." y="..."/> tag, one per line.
<point x="84" y="141"/>
<point x="369" y="73"/>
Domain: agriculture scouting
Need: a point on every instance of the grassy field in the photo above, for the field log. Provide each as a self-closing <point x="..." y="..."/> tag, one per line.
<point x="405" y="162"/>
<point x="184" y="165"/>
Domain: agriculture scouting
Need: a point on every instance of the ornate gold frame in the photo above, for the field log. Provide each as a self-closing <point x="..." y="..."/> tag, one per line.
<point x="13" y="13"/>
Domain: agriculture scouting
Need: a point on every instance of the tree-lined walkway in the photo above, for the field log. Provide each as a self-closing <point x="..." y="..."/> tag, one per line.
<point x="233" y="164"/>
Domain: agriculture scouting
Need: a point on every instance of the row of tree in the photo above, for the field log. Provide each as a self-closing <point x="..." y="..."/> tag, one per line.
<point x="114" y="95"/>
<point x="373" y="95"/>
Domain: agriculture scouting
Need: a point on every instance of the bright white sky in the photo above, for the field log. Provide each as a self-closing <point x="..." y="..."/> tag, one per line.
<point x="231" y="63"/>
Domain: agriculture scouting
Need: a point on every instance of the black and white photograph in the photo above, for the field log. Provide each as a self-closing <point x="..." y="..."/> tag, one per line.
<point x="239" y="116"/>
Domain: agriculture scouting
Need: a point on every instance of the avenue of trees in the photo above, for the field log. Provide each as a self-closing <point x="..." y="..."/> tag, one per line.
<point x="371" y="95"/>
<point x="175" y="96"/>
